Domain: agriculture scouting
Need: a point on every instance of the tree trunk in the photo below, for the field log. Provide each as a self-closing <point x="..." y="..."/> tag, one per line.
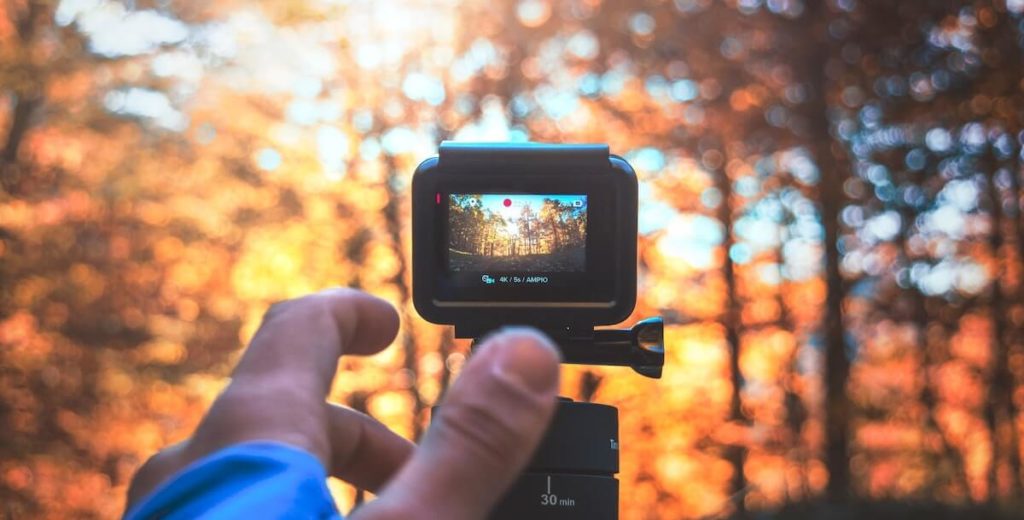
<point x="26" y="104"/>
<point x="588" y="385"/>
<point x="737" y="452"/>
<point x="392" y="216"/>
<point x="1016" y="340"/>
<point x="1007" y="34"/>
<point x="1000" y="409"/>
<point x="796" y="411"/>
<point x="837" y="364"/>
<point x="833" y="167"/>
<point x="21" y="118"/>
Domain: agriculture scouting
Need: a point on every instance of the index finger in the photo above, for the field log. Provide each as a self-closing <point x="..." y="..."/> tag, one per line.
<point x="279" y="387"/>
<point x="301" y="340"/>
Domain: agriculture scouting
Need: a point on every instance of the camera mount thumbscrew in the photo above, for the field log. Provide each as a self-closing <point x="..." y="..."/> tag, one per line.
<point x="641" y="347"/>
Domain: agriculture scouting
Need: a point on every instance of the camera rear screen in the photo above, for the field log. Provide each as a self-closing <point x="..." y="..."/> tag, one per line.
<point x="534" y="233"/>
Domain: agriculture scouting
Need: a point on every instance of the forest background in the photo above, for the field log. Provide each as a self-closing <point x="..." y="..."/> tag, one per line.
<point x="830" y="223"/>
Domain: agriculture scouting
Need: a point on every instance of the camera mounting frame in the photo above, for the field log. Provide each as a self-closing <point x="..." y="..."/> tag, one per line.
<point x="605" y="293"/>
<point x="567" y="310"/>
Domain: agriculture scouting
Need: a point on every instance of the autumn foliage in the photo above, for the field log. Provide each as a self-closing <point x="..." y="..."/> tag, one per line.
<point x="831" y="225"/>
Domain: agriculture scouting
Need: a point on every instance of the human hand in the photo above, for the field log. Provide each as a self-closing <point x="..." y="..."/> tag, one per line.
<point x="490" y="421"/>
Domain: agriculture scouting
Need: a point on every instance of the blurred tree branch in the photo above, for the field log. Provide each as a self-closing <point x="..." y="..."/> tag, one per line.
<point x="27" y="96"/>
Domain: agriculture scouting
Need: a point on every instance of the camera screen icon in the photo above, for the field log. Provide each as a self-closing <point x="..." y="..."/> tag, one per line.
<point x="487" y="279"/>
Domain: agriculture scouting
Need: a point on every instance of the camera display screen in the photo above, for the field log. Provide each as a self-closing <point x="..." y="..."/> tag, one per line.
<point x="517" y="233"/>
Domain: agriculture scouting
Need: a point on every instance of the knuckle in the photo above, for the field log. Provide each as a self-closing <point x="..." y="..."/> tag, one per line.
<point x="268" y="408"/>
<point x="317" y="309"/>
<point x="148" y="470"/>
<point x="154" y="470"/>
<point x="162" y="460"/>
<point x="276" y="310"/>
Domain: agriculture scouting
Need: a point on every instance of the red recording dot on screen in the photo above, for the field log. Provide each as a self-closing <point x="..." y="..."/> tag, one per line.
<point x="508" y="202"/>
<point x="438" y="198"/>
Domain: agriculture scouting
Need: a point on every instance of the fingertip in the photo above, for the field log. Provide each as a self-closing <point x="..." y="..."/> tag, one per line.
<point x="378" y="325"/>
<point x="375" y="324"/>
<point x="486" y="428"/>
<point x="527" y="355"/>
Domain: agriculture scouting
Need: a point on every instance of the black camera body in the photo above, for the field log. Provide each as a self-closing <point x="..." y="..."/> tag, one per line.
<point x="524" y="234"/>
<point x="545" y="236"/>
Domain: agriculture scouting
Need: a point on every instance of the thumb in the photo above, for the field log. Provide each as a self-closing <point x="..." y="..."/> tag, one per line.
<point x="483" y="434"/>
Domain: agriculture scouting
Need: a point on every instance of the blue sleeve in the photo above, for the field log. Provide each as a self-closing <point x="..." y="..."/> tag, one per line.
<point x="249" y="480"/>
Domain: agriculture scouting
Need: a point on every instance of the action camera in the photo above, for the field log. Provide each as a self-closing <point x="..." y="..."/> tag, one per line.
<point x="541" y="235"/>
<point x="530" y="234"/>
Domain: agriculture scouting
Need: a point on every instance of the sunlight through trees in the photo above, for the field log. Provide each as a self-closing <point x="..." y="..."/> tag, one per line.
<point x="831" y="223"/>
